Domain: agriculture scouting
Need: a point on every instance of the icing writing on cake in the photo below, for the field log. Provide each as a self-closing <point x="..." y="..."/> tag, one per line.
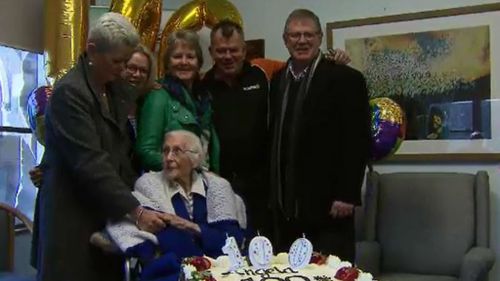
<point x="262" y="272"/>
<point x="275" y="278"/>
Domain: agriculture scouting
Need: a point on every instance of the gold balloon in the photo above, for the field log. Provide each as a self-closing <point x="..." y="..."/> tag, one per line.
<point x="194" y="15"/>
<point x="218" y="10"/>
<point x="389" y="110"/>
<point x="65" y="34"/>
<point x="145" y="15"/>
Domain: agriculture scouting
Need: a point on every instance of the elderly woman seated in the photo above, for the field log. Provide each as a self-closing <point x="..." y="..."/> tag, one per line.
<point x="200" y="209"/>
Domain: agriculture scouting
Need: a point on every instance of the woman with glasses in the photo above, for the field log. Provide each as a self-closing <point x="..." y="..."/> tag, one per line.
<point x="201" y="208"/>
<point x="181" y="103"/>
<point x="140" y="72"/>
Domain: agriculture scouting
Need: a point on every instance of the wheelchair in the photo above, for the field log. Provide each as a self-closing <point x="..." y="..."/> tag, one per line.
<point x="131" y="265"/>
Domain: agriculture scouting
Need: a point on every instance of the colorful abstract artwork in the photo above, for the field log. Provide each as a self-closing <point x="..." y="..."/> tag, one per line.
<point x="440" y="67"/>
<point x="441" y="79"/>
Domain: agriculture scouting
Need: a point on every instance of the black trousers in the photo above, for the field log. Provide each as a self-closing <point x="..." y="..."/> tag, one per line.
<point x="335" y="236"/>
<point x="253" y="187"/>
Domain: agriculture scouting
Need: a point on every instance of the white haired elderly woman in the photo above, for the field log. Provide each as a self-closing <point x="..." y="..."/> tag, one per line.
<point x="88" y="177"/>
<point x="202" y="211"/>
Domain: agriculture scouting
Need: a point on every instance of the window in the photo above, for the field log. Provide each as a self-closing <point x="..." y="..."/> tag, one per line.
<point x="20" y="73"/>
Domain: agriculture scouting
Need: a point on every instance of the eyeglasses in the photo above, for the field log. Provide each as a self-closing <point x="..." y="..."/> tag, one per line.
<point x="176" y="151"/>
<point x="295" y="36"/>
<point x="134" y="69"/>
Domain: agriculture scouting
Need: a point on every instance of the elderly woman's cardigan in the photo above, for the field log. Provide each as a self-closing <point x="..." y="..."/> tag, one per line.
<point x="218" y="214"/>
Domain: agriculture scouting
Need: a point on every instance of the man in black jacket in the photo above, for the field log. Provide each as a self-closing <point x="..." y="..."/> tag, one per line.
<point x="240" y="101"/>
<point x="321" y="137"/>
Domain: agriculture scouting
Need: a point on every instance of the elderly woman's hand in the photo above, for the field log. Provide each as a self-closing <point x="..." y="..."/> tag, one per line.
<point x="184" y="224"/>
<point x="148" y="220"/>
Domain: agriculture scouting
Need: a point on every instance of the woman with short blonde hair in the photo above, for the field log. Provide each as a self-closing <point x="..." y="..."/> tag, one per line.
<point x="182" y="103"/>
<point x="88" y="178"/>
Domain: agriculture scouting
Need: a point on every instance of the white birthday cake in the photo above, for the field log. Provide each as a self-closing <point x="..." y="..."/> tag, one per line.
<point x="300" y="264"/>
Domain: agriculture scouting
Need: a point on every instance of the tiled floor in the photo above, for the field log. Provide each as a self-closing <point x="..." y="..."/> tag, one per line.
<point x="22" y="271"/>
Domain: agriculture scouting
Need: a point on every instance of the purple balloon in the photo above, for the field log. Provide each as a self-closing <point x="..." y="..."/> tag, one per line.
<point x="387" y="127"/>
<point x="384" y="139"/>
<point x="37" y="103"/>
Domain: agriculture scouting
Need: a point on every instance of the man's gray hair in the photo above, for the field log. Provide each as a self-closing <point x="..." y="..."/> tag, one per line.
<point x="193" y="144"/>
<point x="302" y="14"/>
<point x="113" y="30"/>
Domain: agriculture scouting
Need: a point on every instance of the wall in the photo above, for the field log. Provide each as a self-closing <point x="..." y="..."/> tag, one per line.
<point x="265" y="19"/>
<point x="20" y="24"/>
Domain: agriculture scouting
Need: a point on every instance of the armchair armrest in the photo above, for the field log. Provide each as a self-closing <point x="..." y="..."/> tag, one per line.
<point x="368" y="256"/>
<point x="476" y="264"/>
<point x="8" y="215"/>
<point x="15" y="213"/>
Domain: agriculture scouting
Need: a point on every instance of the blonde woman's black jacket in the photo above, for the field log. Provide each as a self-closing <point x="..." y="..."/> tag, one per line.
<point x="88" y="176"/>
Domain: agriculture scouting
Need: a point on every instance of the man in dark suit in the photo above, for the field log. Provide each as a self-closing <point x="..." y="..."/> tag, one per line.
<point x="321" y="138"/>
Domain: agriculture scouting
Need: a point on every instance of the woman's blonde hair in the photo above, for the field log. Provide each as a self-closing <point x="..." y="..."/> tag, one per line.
<point x="151" y="81"/>
<point x="184" y="36"/>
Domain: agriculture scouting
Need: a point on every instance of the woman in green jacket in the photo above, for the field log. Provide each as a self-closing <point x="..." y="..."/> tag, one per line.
<point x="181" y="103"/>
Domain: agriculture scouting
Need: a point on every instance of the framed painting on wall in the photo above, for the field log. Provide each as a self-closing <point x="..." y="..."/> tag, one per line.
<point x="437" y="66"/>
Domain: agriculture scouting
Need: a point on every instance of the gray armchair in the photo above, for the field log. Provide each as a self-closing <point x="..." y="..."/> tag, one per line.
<point x="426" y="227"/>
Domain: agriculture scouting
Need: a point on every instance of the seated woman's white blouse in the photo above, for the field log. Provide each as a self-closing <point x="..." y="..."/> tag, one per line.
<point x="198" y="187"/>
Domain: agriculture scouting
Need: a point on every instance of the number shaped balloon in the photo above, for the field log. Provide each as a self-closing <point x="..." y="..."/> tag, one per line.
<point x="233" y="252"/>
<point x="260" y="252"/>
<point x="300" y="253"/>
